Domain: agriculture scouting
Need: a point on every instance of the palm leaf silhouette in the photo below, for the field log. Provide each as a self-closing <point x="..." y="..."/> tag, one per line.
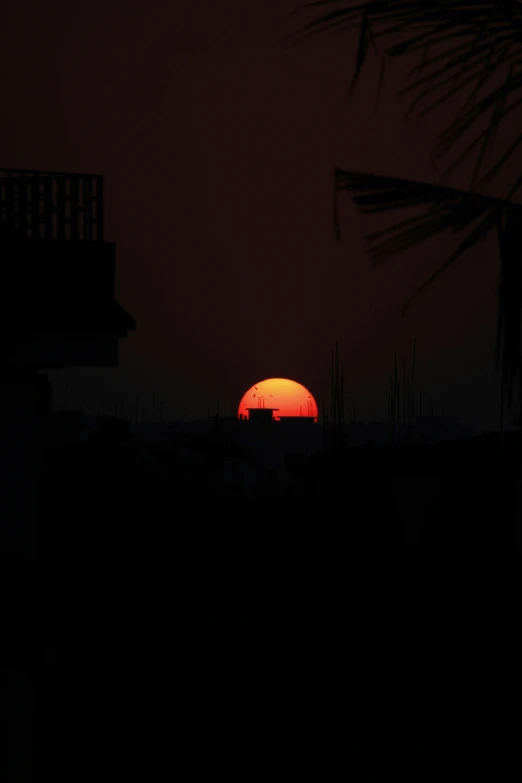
<point x="469" y="48"/>
<point x="465" y="47"/>
<point x="447" y="209"/>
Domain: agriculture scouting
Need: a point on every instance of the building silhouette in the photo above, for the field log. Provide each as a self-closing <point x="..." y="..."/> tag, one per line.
<point x="58" y="305"/>
<point x="58" y="309"/>
<point x="261" y="416"/>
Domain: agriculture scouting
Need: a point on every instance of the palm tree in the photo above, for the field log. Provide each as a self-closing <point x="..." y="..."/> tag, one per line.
<point x="473" y="49"/>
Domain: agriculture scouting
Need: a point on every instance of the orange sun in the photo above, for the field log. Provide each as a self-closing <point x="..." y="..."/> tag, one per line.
<point x="288" y="398"/>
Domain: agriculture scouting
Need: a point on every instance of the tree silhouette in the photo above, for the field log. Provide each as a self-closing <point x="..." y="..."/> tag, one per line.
<point x="469" y="49"/>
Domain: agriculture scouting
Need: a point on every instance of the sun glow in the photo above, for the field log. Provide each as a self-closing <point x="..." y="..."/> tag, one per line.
<point x="285" y="397"/>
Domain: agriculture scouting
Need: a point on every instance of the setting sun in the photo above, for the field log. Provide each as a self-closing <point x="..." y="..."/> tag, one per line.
<point x="285" y="397"/>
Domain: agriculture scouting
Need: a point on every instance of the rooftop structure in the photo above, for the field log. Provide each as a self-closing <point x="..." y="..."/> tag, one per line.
<point x="58" y="305"/>
<point x="260" y="415"/>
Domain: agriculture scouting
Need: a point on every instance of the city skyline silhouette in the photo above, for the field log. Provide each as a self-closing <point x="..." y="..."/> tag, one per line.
<point x="256" y="520"/>
<point x="217" y="162"/>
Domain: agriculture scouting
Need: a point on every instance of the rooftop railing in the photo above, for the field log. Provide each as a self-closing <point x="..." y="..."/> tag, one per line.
<point x="51" y="205"/>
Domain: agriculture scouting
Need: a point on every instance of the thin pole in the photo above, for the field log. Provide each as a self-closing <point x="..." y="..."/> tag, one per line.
<point x="336" y="383"/>
<point x="398" y="399"/>
<point x="390" y="408"/>
<point x="413" y="385"/>
<point x="408" y="410"/>
<point x="502" y="404"/>
<point x="332" y="414"/>
<point x="404" y="390"/>
<point x="342" y="395"/>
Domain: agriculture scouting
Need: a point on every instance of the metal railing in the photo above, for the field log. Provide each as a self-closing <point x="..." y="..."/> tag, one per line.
<point x="51" y="205"/>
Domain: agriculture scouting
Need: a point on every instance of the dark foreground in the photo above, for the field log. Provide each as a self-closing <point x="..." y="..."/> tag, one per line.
<point x="358" y="623"/>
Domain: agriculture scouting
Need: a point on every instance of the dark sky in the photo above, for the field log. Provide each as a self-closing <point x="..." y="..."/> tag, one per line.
<point x="217" y="145"/>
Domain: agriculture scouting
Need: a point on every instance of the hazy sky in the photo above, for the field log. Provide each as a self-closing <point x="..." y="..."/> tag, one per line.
<point x="217" y="145"/>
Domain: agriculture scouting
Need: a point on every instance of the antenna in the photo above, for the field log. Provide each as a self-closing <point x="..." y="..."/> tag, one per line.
<point x="342" y="396"/>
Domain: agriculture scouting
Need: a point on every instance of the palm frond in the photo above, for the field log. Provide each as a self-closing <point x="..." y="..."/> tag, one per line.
<point x="466" y="48"/>
<point x="365" y="38"/>
<point x="474" y="40"/>
<point x="500" y="103"/>
<point x="448" y="209"/>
